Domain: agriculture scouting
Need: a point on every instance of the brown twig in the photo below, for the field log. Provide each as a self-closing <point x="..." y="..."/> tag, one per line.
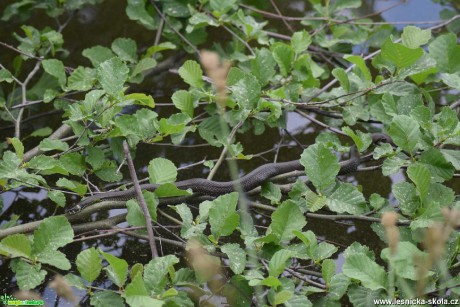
<point x="59" y="133"/>
<point x="281" y="16"/>
<point x="140" y="197"/>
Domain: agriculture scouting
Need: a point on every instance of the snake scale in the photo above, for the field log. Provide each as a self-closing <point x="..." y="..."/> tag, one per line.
<point x="216" y="188"/>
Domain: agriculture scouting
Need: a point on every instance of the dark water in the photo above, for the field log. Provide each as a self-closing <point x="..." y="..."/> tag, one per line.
<point x="100" y="25"/>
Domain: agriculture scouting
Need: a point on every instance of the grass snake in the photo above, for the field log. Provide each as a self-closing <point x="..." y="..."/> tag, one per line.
<point x="248" y="182"/>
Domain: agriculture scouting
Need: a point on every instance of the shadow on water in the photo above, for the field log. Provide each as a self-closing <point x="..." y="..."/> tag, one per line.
<point x="100" y="25"/>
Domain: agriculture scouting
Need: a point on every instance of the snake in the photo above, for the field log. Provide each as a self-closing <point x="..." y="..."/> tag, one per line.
<point x="248" y="182"/>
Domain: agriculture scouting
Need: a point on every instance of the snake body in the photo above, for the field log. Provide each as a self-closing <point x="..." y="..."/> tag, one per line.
<point x="214" y="188"/>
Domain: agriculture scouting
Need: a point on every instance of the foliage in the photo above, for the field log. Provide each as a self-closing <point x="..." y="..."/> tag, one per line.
<point x="406" y="86"/>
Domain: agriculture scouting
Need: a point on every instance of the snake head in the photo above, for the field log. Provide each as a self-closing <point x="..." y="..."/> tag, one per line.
<point x="379" y="138"/>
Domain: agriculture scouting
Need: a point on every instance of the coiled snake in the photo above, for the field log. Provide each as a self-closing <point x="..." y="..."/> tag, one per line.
<point x="215" y="188"/>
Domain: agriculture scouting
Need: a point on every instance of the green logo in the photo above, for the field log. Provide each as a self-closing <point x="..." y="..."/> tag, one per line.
<point x="9" y="300"/>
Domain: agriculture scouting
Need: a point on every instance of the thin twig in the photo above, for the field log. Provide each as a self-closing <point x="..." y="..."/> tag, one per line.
<point x="311" y="118"/>
<point x="159" y="31"/>
<point x="281" y="16"/>
<point x="141" y="199"/>
<point x="334" y="217"/>
<point x="17" y="128"/>
<point x="162" y="16"/>
<point x="223" y="154"/>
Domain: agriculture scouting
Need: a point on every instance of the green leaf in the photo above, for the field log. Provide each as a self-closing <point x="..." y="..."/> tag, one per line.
<point x="300" y="41"/>
<point x="42" y="132"/>
<point x="282" y="296"/>
<point x="405" y="132"/>
<point x="414" y="37"/>
<point x="160" y="47"/>
<point x="56" y="69"/>
<point x="170" y="190"/>
<point x="95" y="157"/>
<point x="263" y="66"/>
<point x="143" y="65"/>
<point x="321" y="165"/>
<point x="183" y="100"/>
<point x="340" y="74"/>
<point x="420" y="175"/>
<point x="162" y="170"/>
<point x="9" y="169"/>
<point x="315" y="202"/>
<point x="136" y="294"/>
<point x="284" y="56"/>
<point x="285" y="220"/>
<point x="98" y="54"/>
<point x="53" y="232"/>
<point x="126" y="49"/>
<point x="431" y="214"/>
<point x="74" y="163"/>
<point x="298" y="301"/>
<point x="81" y="79"/>
<point x="18" y="147"/>
<point x="17" y="245"/>
<point x="397" y="88"/>
<point x="141" y="99"/>
<point x="117" y="270"/>
<point x="58" y="197"/>
<point x="345" y="4"/>
<point x="362" y="297"/>
<point x="360" y="267"/>
<point x="109" y="172"/>
<point x="453" y="156"/>
<point x="328" y="270"/>
<point x="74" y="186"/>
<point x="222" y="215"/>
<point x="49" y="144"/>
<point x="338" y="286"/>
<point x="222" y="6"/>
<point x="176" y="8"/>
<point x="89" y="264"/>
<point x="247" y="92"/>
<point x="347" y="198"/>
<point x="361" y="64"/>
<point x="404" y="261"/>
<point x="106" y="298"/>
<point x="405" y="193"/>
<point x="185" y="213"/>
<point x="400" y="55"/>
<point x="5" y="75"/>
<point x="136" y="10"/>
<point x="136" y="216"/>
<point x="324" y="250"/>
<point x="200" y="20"/>
<point x="445" y="50"/>
<point x="440" y="194"/>
<point x="75" y="281"/>
<point x="236" y="255"/>
<point x="112" y="75"/>
<point x="156" y="271"/>
<point x="452" y="80"/>
<point x="27" y="276"/>
<point x="278" y="262"/>
<point x="440" y="169"/>
<point x="54" y="258"/>
<point x="192" y="74"/>
<point x="271" y="192"/>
